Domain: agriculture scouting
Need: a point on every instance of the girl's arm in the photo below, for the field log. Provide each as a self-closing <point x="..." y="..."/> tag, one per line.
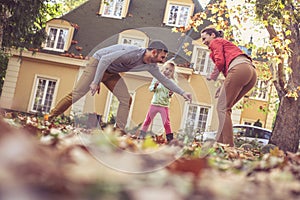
<point x="153" y="85"/>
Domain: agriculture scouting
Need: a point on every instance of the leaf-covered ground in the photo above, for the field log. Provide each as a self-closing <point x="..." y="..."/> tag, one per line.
<point x="43" y="160"/>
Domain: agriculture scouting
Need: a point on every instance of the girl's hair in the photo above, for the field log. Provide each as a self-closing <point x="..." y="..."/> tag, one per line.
<point x="174" y="75"/>
<point x="211" y="30"/>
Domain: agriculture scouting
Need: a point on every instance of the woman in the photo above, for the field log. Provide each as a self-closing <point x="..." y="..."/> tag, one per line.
<point x="240" y="77"/>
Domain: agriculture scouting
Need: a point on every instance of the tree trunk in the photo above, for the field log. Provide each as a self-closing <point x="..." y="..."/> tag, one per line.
<point x="2" y="19"/>
<point x="4" y="15"/>
<point x="286" y="131"/>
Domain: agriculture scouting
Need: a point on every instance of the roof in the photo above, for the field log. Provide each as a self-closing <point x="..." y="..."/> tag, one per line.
<point x="96" y="31"/>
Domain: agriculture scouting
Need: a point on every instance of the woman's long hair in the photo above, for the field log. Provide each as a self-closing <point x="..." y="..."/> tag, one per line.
<point x="211" y="30"/>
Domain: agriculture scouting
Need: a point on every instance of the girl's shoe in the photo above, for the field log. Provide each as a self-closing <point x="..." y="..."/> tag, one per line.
<point x="169" y="137"/>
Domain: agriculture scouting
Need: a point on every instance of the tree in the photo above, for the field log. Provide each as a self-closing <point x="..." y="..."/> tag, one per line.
<point x="68" y="5"/>
<point x="21" y="26"/>
<point x="3" y="66"/>
<point x="281" y="20"/>
<point x="22" y="22"/>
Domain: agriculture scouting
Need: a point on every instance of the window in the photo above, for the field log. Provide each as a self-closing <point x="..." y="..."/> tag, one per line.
<point x="59" y="35"/>
<point x="43" y="94"/>
<point x="261" y="90"/>
<point x="112" y="105"/>
<point x="178" y="15"/>
<point x="202" y="62"/>
<point x="196" y="117"/>
<point x="112" y="108"/>
<point x="57" y="39"/>
<point x="133" y="37"/>
<point x="113" y="8"/>
<point x="133" y="41"/>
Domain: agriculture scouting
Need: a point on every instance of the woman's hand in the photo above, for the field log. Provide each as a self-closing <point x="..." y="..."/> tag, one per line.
<point x="217" y="94"/>
<point x="94" y="88"/>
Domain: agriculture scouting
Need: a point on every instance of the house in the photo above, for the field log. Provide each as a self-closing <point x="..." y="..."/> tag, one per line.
<point x="36" y="81"/>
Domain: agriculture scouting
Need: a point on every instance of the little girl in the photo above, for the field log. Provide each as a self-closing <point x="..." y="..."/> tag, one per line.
<point x="160" y="102"/>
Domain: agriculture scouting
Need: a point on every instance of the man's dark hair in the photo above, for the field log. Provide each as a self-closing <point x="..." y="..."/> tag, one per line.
<point x="159" y="45"/>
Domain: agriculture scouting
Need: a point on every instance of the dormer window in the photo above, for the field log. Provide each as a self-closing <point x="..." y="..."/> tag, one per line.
<point x="56" y="39"/>
<point x="59" y="35"/>
<point x="133" y="37"/>
<point x="133" y="41"/>
<point x="178" y="12"/>
<point x="114" y="8"/>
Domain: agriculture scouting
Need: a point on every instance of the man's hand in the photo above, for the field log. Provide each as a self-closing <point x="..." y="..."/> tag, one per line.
<point x="94" y="88"/>
<point x="187" y="96"/>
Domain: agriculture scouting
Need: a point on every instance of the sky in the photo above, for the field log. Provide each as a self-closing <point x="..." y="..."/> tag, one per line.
<point x="249" y="29"/>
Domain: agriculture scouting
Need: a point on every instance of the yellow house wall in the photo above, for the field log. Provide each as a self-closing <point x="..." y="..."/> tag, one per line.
<point x="200" y="90"/>
<point x="29" y="68"/>
<point x="252" y="112"/>
<point x="203" y="93"/>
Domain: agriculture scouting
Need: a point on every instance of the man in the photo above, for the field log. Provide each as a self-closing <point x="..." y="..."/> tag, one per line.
<point x="257" y="123"/>
<point x="105" y="66"/>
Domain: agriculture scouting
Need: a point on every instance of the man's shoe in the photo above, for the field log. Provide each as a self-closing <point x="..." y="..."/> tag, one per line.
<point x="142" y="135"/>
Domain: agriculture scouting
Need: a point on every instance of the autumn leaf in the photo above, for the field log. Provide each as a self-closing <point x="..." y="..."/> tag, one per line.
<point x="149" y="143"/>
<point x="276" y="152"/>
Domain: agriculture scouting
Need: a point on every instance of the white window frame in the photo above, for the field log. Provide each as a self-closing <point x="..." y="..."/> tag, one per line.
<point x="44" y="98"/>
<point x="260" y="91"/>
<point x="177" y="22"/>
<point x="109" y="101"/>
<point x="195" y="127"/>
<point x="198" y="62"/>
<point x="112" y="4"/>
<point x="65" y="38"/>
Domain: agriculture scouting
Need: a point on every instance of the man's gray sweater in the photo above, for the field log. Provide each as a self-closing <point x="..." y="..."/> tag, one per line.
<point x="128" y="58"/>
